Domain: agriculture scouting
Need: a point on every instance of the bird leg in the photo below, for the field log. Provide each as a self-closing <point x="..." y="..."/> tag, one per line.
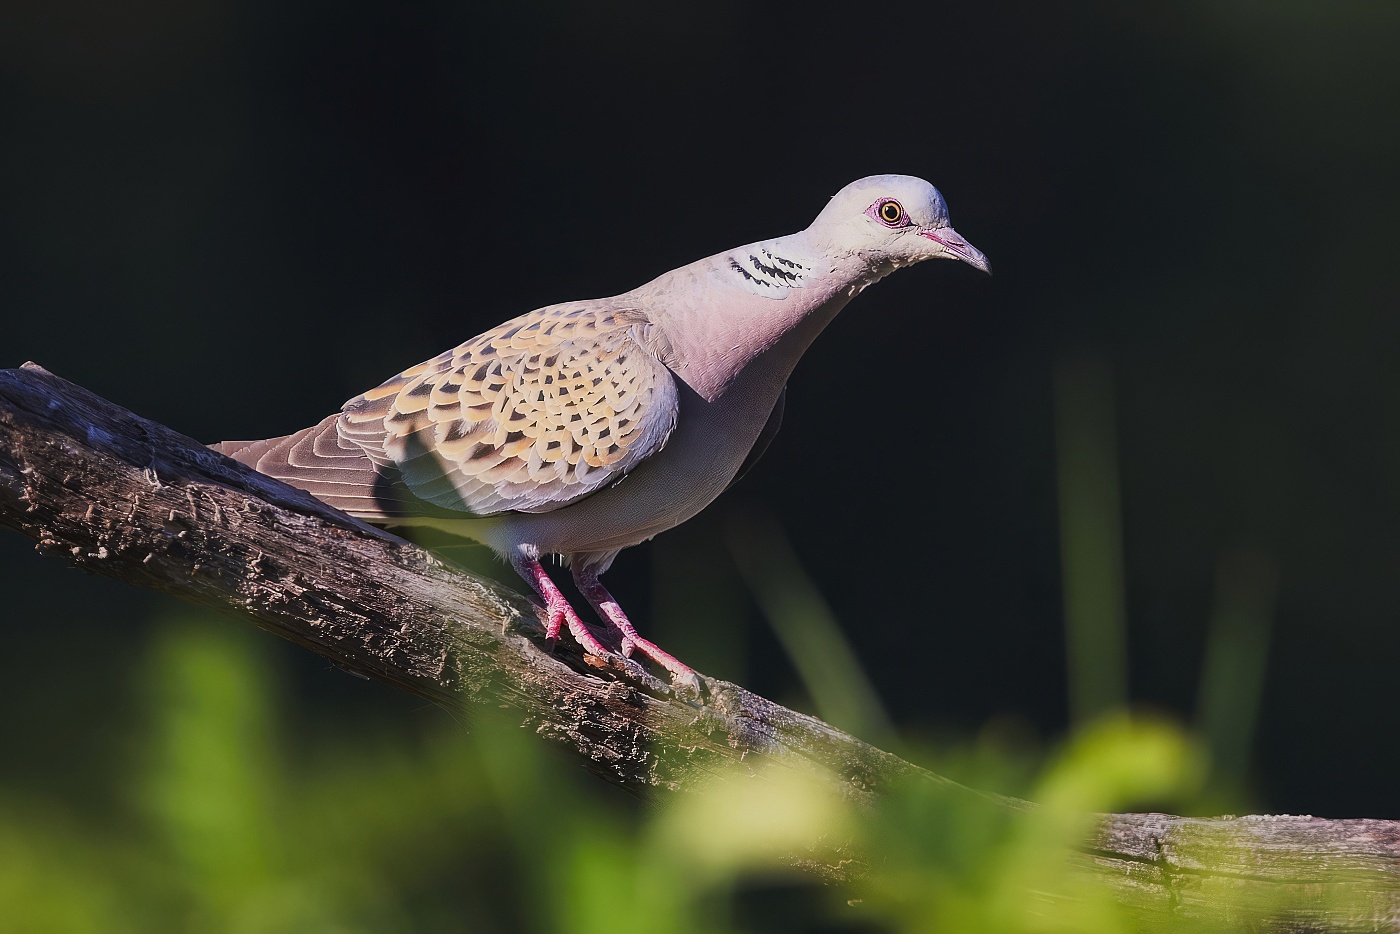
<point x="608" y="609"/>
<point x="557" y="605"/>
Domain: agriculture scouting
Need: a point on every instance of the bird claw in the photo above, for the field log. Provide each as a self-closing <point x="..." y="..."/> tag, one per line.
<point x="558" y="613"/>
<point x="684" y="680"/>
<point x="683" y="677"/>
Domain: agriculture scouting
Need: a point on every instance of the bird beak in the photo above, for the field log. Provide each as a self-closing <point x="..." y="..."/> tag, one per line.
<point x="955" y="247"/>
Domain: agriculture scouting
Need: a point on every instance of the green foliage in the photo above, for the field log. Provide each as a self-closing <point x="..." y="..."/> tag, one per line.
<point x="228" y="828"/>
<point x="955" y="866"/>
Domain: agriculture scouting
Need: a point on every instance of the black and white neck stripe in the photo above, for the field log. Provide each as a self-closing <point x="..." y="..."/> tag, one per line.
<point x="763" y="269"/>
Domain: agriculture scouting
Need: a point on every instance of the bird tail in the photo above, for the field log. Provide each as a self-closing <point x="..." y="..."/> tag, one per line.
<point x="335" y="471"/>
<point x="316" y="460"/>
<point x="249" y="452"/>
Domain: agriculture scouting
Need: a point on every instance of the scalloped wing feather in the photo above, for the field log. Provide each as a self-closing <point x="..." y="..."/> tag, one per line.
<point x="527" y="417"/>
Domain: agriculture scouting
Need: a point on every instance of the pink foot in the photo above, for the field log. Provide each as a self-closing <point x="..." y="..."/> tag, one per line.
<point x="609" y="610"/>
<point x="558" y="608"/>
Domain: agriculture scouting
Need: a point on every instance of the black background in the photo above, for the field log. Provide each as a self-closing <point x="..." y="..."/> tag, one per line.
<point x="232" y="217"/>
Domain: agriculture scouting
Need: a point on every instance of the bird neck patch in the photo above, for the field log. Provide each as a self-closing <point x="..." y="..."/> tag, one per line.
<point x="767" y="272"/>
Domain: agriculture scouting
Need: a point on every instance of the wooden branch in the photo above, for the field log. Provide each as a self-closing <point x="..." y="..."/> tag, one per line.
<point x="122" y="496"/>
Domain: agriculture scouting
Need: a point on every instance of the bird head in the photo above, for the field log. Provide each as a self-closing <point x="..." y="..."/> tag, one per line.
<point x="892" y="221"/>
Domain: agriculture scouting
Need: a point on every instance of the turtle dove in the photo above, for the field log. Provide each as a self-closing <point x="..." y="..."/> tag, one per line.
<point x="583" y="428"/>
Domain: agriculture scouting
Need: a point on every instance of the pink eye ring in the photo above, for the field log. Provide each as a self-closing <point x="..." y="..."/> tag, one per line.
<point x="889" y="212"/>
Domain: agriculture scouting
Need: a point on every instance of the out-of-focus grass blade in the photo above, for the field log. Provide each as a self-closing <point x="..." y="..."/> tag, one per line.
<point x="1232" y="679"/>
<point x="806" y="628"/>
<point x="702" y="618"/>
<point x="1091" y="548"/>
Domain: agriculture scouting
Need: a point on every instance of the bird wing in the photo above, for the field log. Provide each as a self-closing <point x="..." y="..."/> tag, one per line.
<point x="530" y="416"/>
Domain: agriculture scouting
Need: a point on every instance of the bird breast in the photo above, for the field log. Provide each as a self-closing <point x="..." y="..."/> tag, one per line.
<point x="700" y="459"/>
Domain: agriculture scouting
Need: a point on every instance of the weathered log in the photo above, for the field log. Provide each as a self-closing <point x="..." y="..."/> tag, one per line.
<point x="131" y="499"/>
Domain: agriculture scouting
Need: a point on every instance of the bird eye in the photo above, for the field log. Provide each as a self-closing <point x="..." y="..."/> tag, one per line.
<point x="891" y="212"/>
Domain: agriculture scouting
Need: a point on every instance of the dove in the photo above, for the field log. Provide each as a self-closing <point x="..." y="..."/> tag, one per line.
<point x="584" y="428"/>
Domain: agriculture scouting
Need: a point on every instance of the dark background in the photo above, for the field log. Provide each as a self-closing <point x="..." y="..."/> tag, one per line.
<point x="232" y="217"/>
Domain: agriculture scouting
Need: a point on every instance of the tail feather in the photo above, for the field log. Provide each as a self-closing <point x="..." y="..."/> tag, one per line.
<point x="335" y="471"/>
